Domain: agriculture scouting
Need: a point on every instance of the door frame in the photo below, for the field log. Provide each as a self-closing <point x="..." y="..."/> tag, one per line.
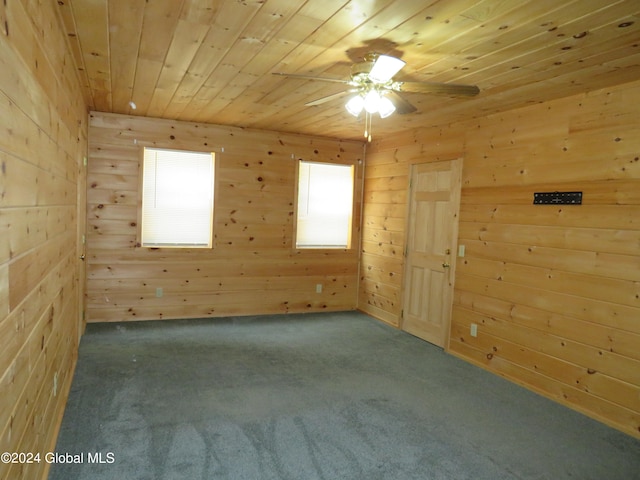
<point x="456" y="168"/>
<point x="81" y="243"/>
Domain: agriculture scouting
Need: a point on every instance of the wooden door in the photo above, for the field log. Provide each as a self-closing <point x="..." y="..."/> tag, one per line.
<point x="432" y="233"/>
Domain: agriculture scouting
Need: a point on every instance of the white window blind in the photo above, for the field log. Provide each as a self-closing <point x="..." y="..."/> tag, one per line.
<point x="177" y="198"/>
<point x="325" y="205"/>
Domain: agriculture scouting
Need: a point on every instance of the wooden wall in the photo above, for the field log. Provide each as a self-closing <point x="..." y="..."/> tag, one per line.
<point x="253" y="267"/>
<point x="555" y="290"/>
<point x="43" y="127"/>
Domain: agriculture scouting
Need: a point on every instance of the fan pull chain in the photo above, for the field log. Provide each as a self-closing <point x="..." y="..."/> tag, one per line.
<point x="367" y="126"/>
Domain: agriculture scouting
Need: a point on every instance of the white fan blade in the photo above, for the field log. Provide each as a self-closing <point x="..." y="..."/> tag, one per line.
<point x="385" y="68"/>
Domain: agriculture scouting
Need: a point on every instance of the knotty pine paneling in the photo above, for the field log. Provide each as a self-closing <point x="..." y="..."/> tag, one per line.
<point x="253" y="267"/>
<point x="554" y="290"/>
<point x="43" y="139"/>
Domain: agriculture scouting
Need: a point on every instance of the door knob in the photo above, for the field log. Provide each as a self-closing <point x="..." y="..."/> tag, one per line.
<point x="446" y="265"/>
<point x="82" y="257"/>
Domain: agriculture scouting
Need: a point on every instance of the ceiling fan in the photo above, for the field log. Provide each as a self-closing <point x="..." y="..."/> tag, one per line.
<point x="374" y="90"/>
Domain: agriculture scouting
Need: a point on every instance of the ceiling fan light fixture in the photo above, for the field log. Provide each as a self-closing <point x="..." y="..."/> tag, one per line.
<point x="372" y="101"/>
<point x="386" y="107"/>
<point x="385" y="68"/>
<point x="355" y="105"/>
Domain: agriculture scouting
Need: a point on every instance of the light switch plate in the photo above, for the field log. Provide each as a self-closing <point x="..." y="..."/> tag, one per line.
<point x="474" y="330"/>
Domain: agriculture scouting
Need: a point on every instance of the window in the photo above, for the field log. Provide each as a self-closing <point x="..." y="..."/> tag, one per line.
<point x="325" y="205"/>
<point x="177" y="198"/>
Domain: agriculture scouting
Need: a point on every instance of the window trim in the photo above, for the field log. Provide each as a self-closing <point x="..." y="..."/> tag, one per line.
<point x="216" y="161"/>
<point x="351" y="244"/>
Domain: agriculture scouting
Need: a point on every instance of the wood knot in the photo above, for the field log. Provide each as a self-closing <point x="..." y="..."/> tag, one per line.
<point x="489" y="356"/>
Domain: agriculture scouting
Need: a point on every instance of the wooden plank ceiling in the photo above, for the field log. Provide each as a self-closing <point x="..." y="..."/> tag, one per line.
<point x="212" y="60"/>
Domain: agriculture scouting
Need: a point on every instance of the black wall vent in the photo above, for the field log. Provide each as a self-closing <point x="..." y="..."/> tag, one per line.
<point x="557" y="198"/>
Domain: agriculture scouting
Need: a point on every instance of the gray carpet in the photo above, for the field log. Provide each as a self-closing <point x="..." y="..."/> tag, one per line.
<point x="316" y="396"/>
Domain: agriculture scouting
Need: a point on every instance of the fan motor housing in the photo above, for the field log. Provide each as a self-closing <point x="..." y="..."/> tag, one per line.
<point x="361" y="69"/>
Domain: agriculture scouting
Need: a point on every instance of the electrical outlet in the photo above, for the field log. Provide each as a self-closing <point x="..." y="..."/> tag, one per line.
<point x="474" y="330"/>
<point x="159" y="292"/>
<point x="319" y="288"/>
